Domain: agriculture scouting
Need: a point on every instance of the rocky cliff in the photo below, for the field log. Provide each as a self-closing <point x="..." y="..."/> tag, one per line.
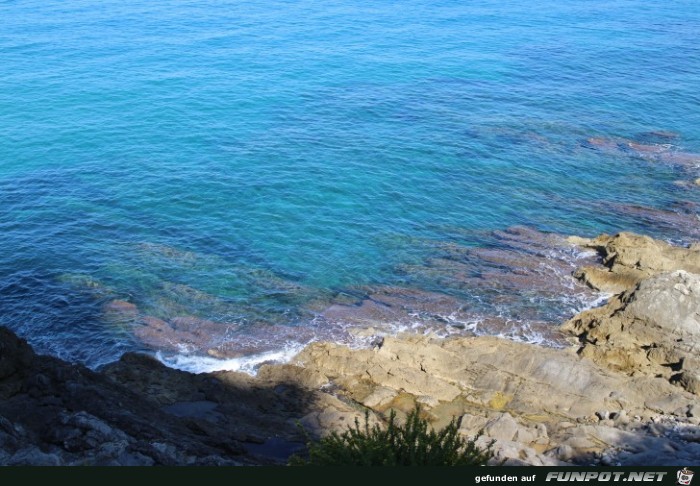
<point x="626" y="391"/>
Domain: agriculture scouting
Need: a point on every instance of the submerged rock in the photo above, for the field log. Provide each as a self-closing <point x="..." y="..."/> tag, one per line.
<point x="625" y="393"/>
<point x="659" y="136"/>
<point x="656" y="149"/>
<point x="518" y="284"/>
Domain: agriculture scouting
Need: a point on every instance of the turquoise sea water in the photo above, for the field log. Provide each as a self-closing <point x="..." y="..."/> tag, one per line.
<point x="249" y="163"/>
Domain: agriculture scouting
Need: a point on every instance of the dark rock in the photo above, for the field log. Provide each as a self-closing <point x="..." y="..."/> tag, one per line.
<point x="81" y="431"/>
<point x="15" y="354"/>
<point x="694" y="410"/>
<point x="202" y="409"/>
<point x="33" y="456"/>
<point x="139" y="412"/>
<point x="689" y="380"/>
<point x="134" y="459"/>
<point x="6" y="427"/>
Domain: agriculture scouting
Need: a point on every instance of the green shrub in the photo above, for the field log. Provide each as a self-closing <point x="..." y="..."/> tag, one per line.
<point x="410" y="444"/>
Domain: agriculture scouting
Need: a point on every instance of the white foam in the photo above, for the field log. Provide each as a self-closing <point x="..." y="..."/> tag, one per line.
<point x="602" y="299"/>
<point x="246" y="364"/>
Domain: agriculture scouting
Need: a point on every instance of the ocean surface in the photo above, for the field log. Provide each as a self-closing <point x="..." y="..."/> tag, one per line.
<point x="221" y="182"/>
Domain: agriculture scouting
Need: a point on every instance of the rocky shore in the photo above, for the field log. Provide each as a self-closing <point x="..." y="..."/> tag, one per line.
<point x="625" y="390"/>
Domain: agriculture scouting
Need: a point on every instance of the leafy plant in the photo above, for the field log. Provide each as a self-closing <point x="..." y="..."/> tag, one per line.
<point x="412" y="444"/>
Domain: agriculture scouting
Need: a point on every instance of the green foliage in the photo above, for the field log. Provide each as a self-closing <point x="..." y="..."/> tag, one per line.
<point x="410" y="444"/>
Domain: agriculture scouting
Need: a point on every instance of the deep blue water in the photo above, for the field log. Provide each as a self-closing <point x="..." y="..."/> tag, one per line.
<point x="246" y="161"/>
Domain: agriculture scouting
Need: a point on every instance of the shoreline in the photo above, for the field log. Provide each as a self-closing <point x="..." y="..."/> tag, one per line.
<point x="520" y="286"/>
<point x="625" y="391"/>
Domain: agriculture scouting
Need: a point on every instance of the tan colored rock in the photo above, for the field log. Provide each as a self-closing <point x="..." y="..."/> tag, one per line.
<point x="486" y="374"/>
<point x="473" y="424"/>
<point x="664" y="356"/>
<point x="533" y="399"/>
<point x="628" y="258"/>
<point x="652" y="326"/>
<point x="690" y="381"/>
<point x="652" y="329"/>
<point x="579" y="240"/>
<point x="426" y="401"/>
<point x="380" y="397"/>
<point x="389" y="368"/>
<point x="526" y="435"/>
<point x="694" y="410"/>
<point x="502" y="427"/>
<point x="605" y="280"/>
<point x="670" y="303"/>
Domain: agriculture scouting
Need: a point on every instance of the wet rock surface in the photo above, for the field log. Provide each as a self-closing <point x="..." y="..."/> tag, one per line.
<point x="518" y="285"/>
<point x="511" y="286"/>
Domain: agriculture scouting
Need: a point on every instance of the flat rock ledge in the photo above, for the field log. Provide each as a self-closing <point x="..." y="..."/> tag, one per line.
<point x="625" y="392"/>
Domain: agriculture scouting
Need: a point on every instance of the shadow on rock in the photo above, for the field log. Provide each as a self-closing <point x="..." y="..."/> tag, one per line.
<point x="139" y="412"/>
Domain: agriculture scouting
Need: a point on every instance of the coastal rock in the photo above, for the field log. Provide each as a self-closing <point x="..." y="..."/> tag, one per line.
<point x="637" y="356"/>
<point x="15" y="354"/>
<point x="503" y="427"/>
<point x="628" y="258"/>
<point x="380" y="397"/>
<point x="471" y="425"/>
<point x="652" y="326"/>
<point x="33" y="456"/>
<point x="688" y="380"/>
<point x="475" y="370"/>
<point x="694" y="410"/>
<point x="653" y="329"/>
<point x="563" y="452"/>
<point x="518" y="394"/>
<point x="607" y="281"/>
<point x="60" y="413"/>
<point x="669" y="302"/>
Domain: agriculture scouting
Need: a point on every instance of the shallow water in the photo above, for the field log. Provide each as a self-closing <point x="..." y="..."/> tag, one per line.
<point x="235" y="169"/>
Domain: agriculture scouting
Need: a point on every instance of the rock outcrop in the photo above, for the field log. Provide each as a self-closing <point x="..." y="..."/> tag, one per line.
<point x="139" y="412"/>
<point x="629" y="258"/>
<point x="652" y="327"/>
<point x="626" y="392"/>
<point x="543" y="406"/>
